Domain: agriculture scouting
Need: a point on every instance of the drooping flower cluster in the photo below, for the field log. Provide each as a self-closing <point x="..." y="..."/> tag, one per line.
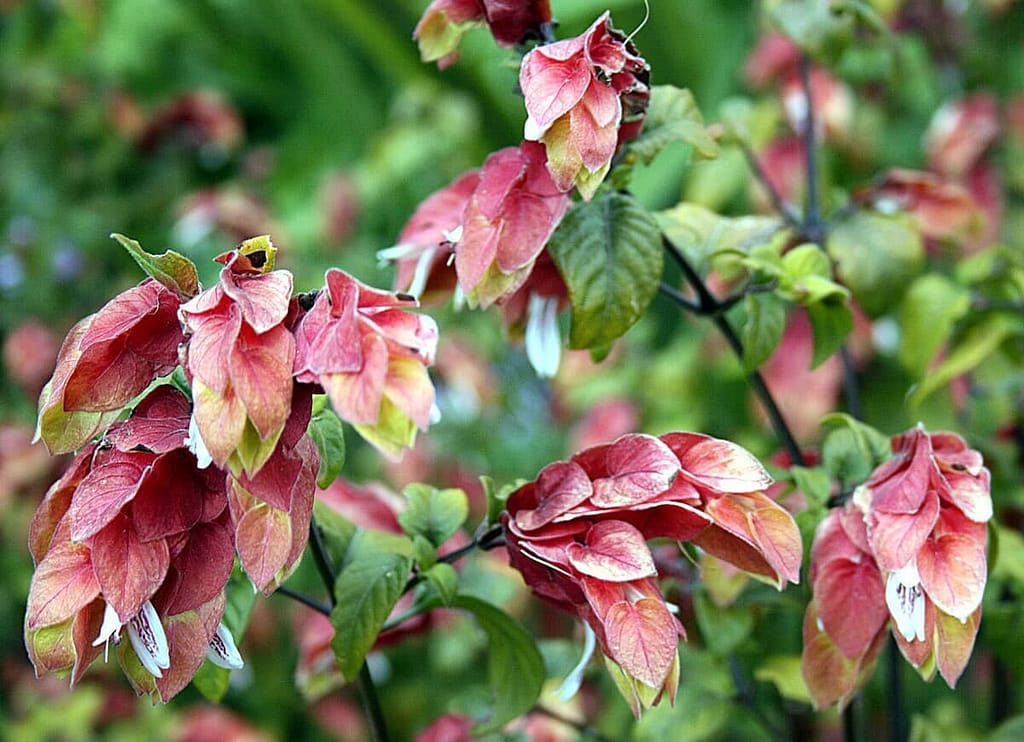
<point x="444" y="23"/>
<point x="909" y="547"/>
<point x="578" y="534"/>
<point x="585" y="96"/>
<point x="134" y="536"/>
<point x="141" y="533"/>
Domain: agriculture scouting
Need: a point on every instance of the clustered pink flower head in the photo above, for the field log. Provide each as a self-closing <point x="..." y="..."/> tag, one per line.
<point x="370" y="355"/>
<point x="142" y="531"/>
<point x="511" y="22"/>
<point x="578" y="534"/>
<point x="239" y="360"/>
<point x="908" y="547"/>
<point x="496" y="221"/>
<point x="585" y="96"/>
<point x="134" y="535"/>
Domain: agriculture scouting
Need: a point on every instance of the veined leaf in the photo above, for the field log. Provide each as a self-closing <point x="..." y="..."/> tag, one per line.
<point x="174" y="271"/>
<point x="852" y="449"/>
<point x="763" y="328"/>
<point x="376" y="569"/>
<point x="328" y="433"/>
<point x="609" y="253"/>
<point x="672" y="116"/>
<point x="515" y="670"/>
<point x="432" y="513"/>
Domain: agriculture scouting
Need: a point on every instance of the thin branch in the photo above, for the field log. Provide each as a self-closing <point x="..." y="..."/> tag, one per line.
<point x="850" y="388"/>
<point x="898" y="730"/>
<point x="371" y="704"/>
<point x="322" y="560"/>
<point x="709" y="305"/>
<point x="782" y="207"/>
<point x="813" y="227"/>
<point x="489" y="539"/>
<point x="317" y="605"/>
<point x="365" y="686"/>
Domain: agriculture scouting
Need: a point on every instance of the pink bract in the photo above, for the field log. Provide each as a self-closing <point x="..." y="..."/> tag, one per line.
<point x="578" y="535"/>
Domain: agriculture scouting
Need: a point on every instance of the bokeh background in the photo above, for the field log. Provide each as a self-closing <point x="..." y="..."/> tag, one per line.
<point x="192" y="125"/>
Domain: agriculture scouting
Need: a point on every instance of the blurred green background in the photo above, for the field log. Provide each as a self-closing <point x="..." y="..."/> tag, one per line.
<point x="191" y="125"/>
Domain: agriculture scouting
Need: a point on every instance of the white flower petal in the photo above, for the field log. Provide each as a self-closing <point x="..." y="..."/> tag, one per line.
<point x="149" y="641"/>
<point x="222" y="650"/>
<point x="905" y="599"/>
<point x="543" y="338"/>
<point x="571" y="685"/>
<point x="194" y="443"/>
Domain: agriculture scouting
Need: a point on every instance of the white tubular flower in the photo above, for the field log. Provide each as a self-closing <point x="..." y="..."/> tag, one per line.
<point x="543" y="338"/>
<point x="905" y="599"/>
<point x="222" y="650"/>
<point x="149" y="641"/>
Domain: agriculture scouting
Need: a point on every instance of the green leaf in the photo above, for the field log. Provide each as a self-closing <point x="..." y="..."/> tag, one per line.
<point x="515" y="669"/>
<point x="328" y="433"/>
<point x="377" y="566"/>
<point x="930" y="308"/>
<point x="806" y="276"/>
<point x="672" y="116"/>
<point x="763" y="328"/>
<point x="432" y="513"/>
<point x="609" y="253"/>
<point x="722" y="628"/>
<point x="336" y="530"/>
<point x="174" y="271"/>
<point x="813" y="25"/>
<point x="831" y="322"/>
<point x="785" y="674"/>
<point x="977" y="344"/>
<point x="445" y="581"/>
<point x="702" y="234"/>
<point x="877" y="256"/>
<point x="424" y="553"/>
<point x="814" y="482"/>
<point x="852" y="449"/>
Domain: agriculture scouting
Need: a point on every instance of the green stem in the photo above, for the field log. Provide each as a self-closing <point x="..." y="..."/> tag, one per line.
<point x="365" y="686"/>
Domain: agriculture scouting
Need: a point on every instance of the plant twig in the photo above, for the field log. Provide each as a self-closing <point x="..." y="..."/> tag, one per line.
<point x="782" y="207"/>
<point x="317" y="605"/>
<point x="813" y="226"/>
<point x="364" y="685"/>
<point x="708" y="305"/>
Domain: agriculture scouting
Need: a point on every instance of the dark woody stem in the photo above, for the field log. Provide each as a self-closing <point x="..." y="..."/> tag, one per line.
<point x="365" y="686"/>
<point x="708" y="305"/>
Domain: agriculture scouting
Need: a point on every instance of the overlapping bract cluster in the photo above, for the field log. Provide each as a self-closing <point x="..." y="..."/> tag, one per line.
<point x="511" y="22"/>
<point x="585" y="96"/>
<point x="239" y="358"/>
<point x="370" y="355"/>
<point x="909" y="546"/>
<point x="134" y="535"/>
<point x="107" y="359"/>
<point x="142" y="531"/>
<point x="578" y="536"/>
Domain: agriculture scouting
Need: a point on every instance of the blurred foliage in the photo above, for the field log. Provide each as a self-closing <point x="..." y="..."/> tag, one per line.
<point x="190" y="125"/>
